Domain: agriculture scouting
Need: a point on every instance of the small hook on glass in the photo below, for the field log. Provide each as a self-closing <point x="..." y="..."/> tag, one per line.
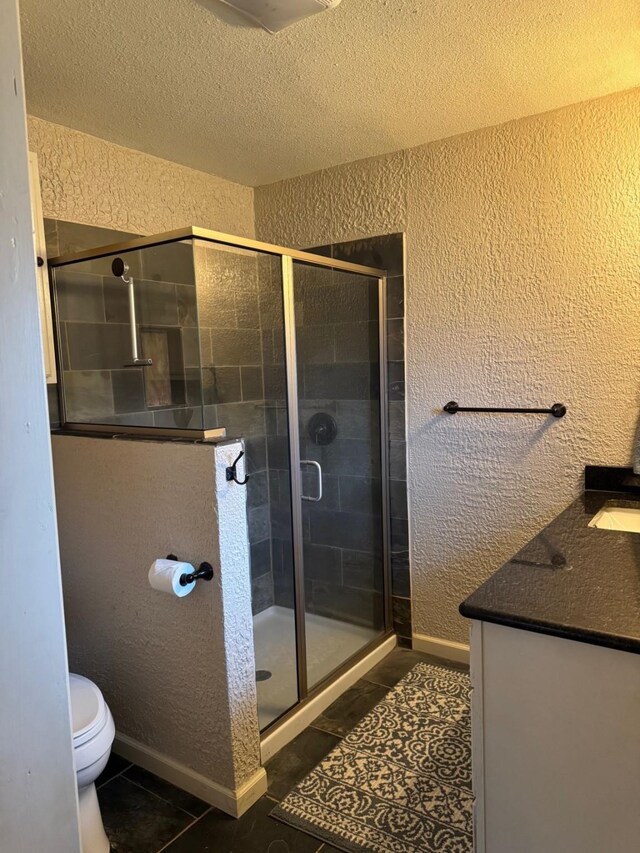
<point x="232" y="473"/>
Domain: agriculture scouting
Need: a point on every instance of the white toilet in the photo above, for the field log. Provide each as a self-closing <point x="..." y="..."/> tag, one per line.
<point x="93" y="733"/>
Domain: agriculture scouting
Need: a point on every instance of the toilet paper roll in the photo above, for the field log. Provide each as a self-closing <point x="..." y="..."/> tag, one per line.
<point x="164" y="575"/>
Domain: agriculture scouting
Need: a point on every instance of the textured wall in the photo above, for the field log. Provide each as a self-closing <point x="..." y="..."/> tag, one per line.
<point x="86" y="179"/>
<point x="235" y="591"/>
<point x="522" y="277"/>
<point x="178" y="674"/>
<point x="359" y="199"/>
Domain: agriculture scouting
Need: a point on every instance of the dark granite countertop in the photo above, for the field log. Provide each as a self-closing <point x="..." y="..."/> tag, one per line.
<point x="571" y="580"/>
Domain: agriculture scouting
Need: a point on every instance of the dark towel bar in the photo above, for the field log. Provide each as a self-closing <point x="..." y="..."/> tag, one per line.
<point x="558" y="410"/>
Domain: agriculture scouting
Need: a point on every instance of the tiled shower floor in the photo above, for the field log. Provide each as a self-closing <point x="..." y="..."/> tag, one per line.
<point x="329" y="643"/>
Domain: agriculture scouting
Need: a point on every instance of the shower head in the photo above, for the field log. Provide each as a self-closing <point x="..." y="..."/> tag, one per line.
<point x="119" y="268"/>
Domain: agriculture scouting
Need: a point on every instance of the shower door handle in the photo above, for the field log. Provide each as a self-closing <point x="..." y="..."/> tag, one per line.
<point x="316" y="465"/>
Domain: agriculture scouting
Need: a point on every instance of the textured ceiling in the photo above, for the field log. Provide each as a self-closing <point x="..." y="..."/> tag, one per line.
<point x="194" y="83"/>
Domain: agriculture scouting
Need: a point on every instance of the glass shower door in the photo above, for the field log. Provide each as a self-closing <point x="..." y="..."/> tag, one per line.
<point x="338" y="352"/>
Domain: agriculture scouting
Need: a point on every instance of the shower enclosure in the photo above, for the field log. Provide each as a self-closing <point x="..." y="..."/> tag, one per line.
<point x="193" y="333"/>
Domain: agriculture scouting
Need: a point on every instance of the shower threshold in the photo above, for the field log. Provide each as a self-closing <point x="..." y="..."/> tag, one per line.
<point x="330" y="642"/>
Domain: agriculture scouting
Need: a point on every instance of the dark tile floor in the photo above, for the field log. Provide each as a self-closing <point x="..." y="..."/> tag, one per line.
<point x="144" y="814"/>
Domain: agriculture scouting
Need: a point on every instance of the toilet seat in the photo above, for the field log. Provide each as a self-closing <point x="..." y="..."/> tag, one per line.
<point x="88" y="708"/>
<point x="93" y="727"/>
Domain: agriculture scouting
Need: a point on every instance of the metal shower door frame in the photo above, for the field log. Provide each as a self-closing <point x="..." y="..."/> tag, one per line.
<point x="291" y="363"/>
<point x="287" y="256"/>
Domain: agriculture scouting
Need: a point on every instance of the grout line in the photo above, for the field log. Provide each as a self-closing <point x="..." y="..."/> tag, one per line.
<point x="158" y="797"/>
<point x="111" y="778"/>
<point x="329" y="732"/>
<point x="380" y="683"/>
<point x="186" y="829"/>
<point x="324" y="732"/>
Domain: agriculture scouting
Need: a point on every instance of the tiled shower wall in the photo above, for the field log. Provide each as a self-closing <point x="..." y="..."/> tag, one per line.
<point x="335" y="377"/>
<point x="95" y="337"/>
<point x="93" y="319"/>
<point x="232" y="311"/>
<point x="241" y="315"/>
<point x="387" y="252"/>
<point x="63" y="238"/>
<point x="338" y="379"/>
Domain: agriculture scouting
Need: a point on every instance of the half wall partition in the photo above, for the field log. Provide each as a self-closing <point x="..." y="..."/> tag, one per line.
<point x="189" y="334"/>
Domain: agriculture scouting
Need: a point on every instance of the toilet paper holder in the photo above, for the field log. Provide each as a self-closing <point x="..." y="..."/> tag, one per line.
<point x="204" y="572"/>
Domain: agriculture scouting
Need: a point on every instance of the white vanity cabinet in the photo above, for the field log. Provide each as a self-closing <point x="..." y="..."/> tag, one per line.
<point x="556" y="744"/>
<point x="44" y="299"/>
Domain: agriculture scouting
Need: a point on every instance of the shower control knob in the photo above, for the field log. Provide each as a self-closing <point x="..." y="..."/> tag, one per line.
<point x="322" y="428"/>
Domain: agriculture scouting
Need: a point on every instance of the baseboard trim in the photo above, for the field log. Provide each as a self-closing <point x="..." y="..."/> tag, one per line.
<point x="446" y="649"/>
<point x="234" y="802"/>
<point x="298" y="722"/>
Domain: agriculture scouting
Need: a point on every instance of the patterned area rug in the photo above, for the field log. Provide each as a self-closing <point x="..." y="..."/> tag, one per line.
<point x="400" y="781"/>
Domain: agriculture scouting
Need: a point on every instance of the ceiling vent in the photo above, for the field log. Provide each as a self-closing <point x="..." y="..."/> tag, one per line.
<point x="275" y="15"/>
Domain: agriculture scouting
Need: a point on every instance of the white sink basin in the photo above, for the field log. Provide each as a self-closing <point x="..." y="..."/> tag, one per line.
<point x="625" y="518"/>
